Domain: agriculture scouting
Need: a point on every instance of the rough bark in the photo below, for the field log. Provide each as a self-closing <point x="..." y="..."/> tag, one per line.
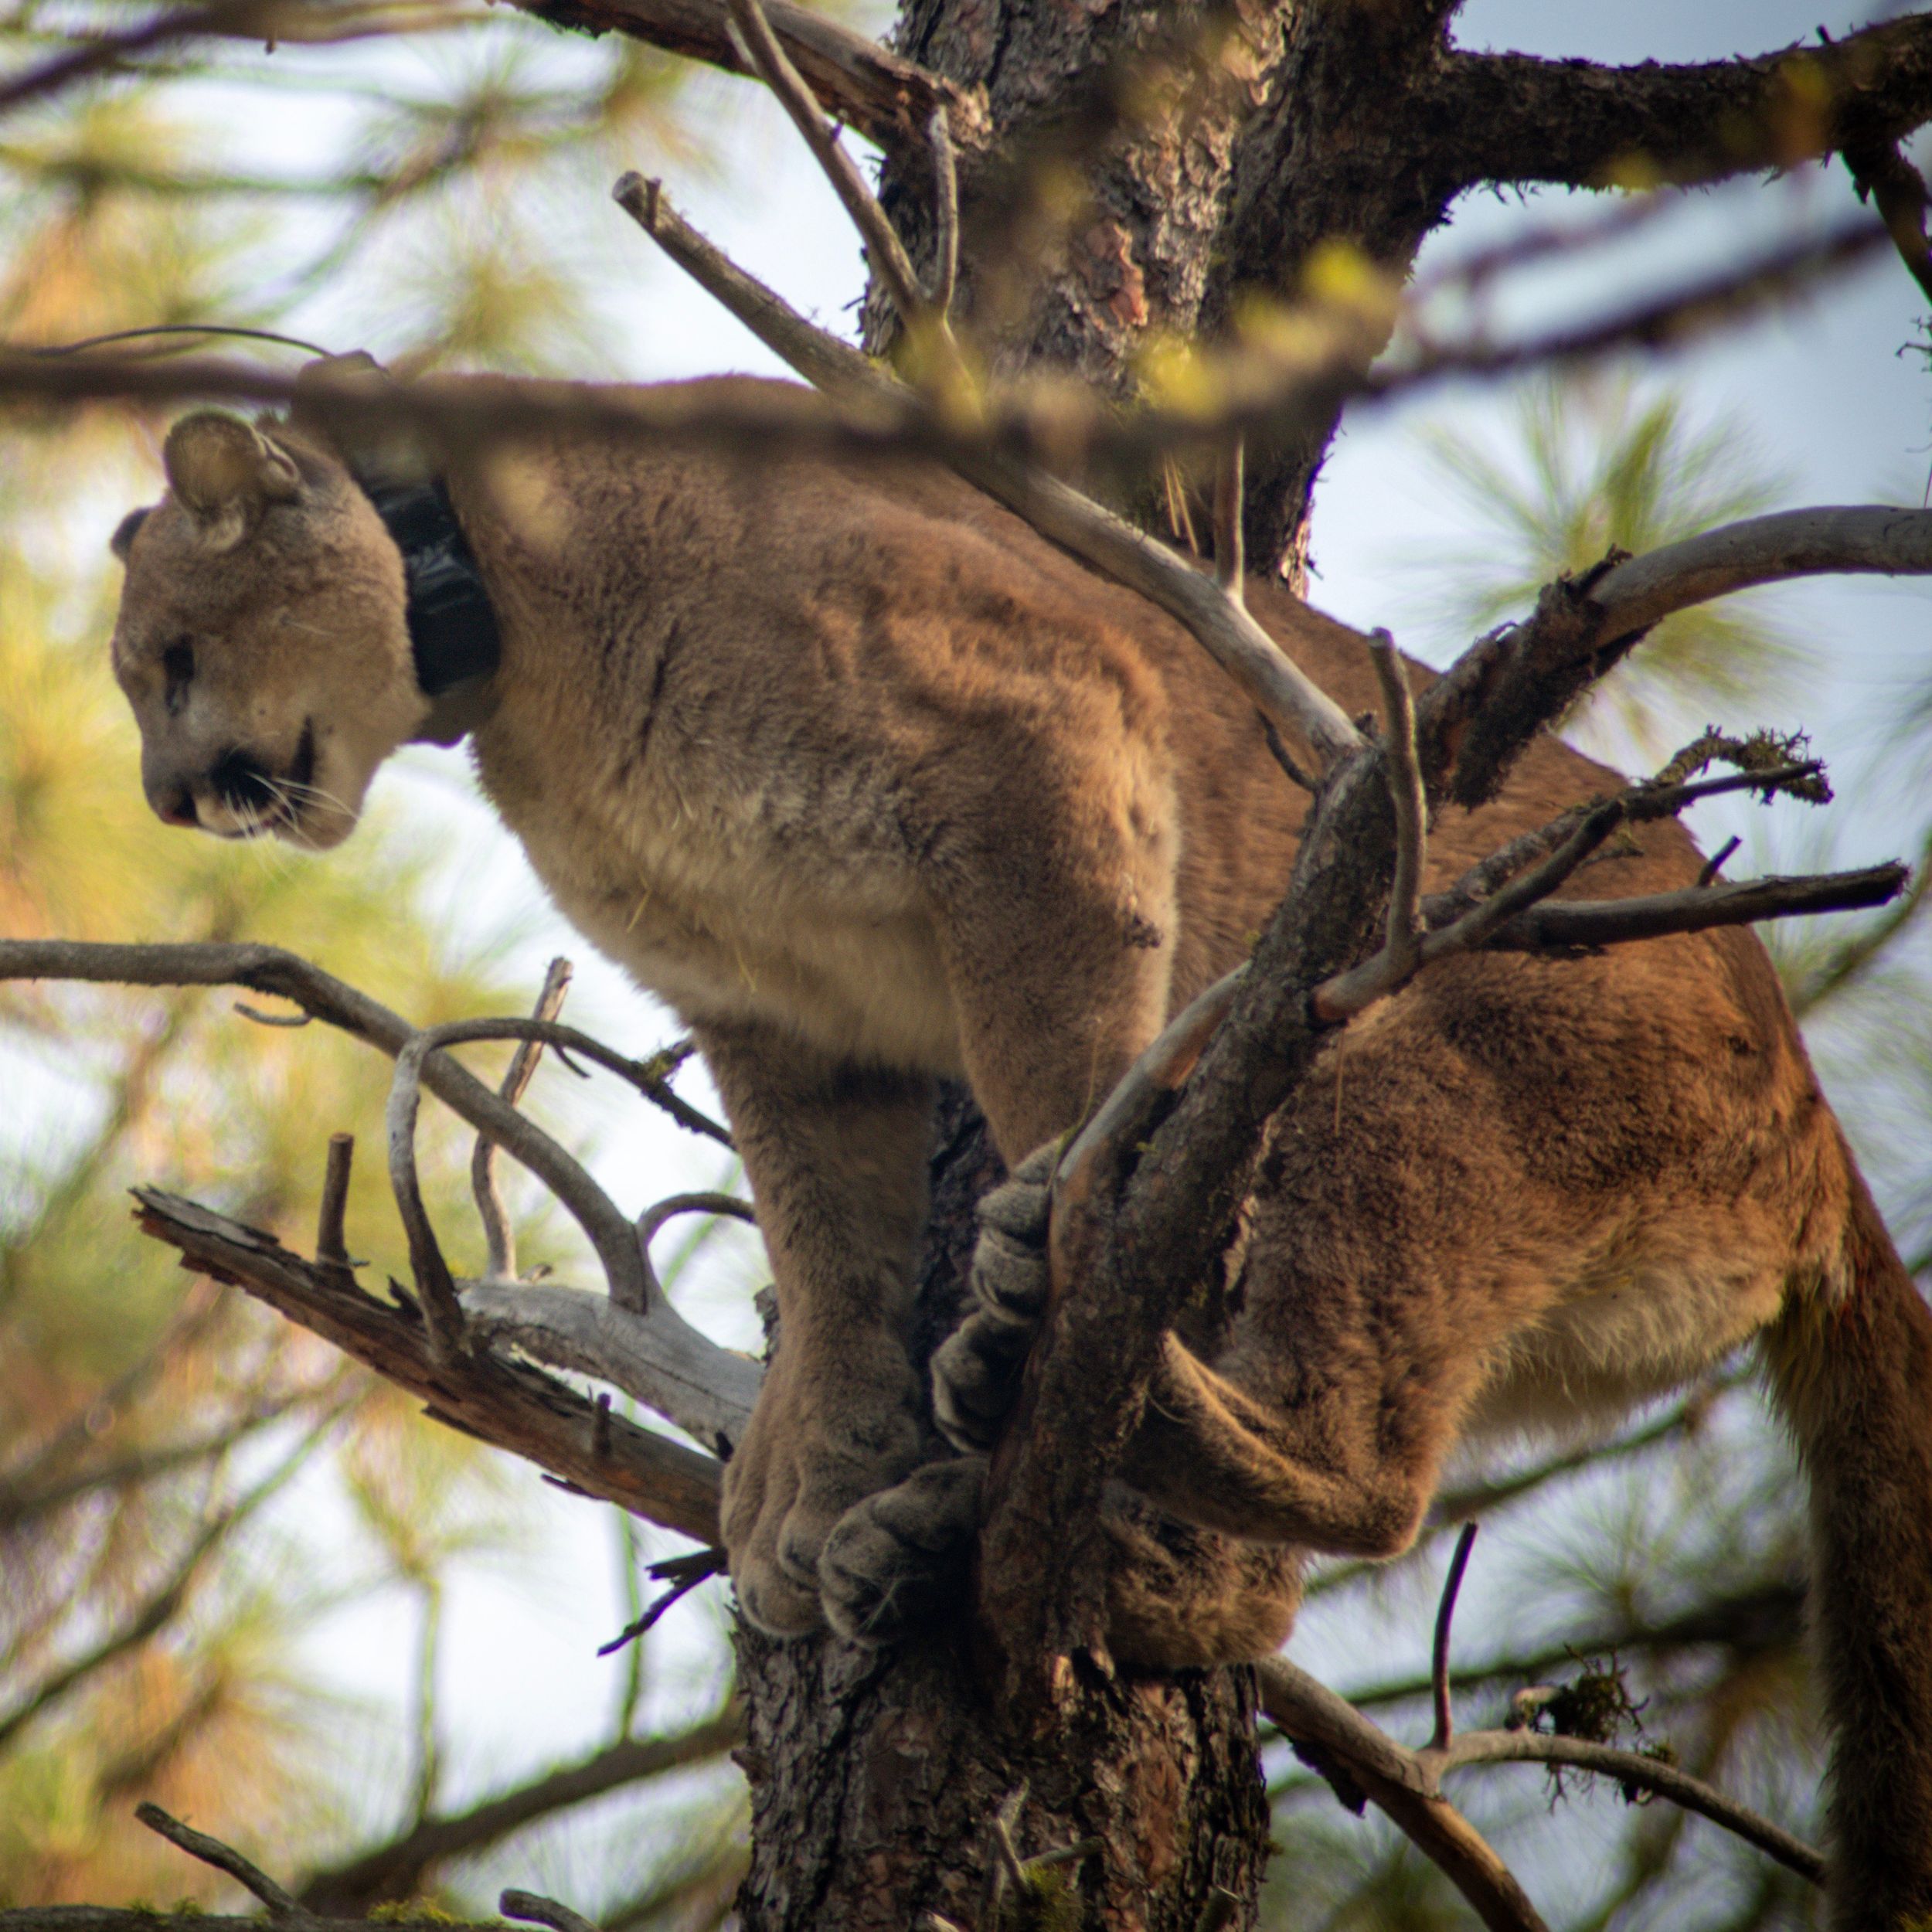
<point x="875" y="1777"/>
<point x="876" y="1780"/>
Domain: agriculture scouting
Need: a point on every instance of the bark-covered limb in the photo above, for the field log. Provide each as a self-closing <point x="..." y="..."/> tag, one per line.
<point x="1636" y="1771"/>
<point x="281" y="1906"/>
<point x="507" y="1404"/>
<point x="889" y="99"/>
<point x="534" y="1909"/>
<point x="1313" y="1718"/>
<point x="1859" y="539"/>
<point x="1510" y="117"/>
<point x="1408" y="1784"/>
<point x="1897" y="189"/>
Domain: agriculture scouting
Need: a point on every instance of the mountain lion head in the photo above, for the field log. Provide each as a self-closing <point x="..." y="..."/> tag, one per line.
<point x="262" y="639"/>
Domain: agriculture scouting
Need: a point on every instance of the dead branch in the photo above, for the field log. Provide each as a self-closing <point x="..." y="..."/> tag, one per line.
<point x="534" y="1909"/>
<point x="1512" y="117"/>
<point x="442" y="1311"/>
<point x="509" y="1404"/>
<point x="1407" y="1785"/>
<point x="889" y="99"/>
<point x="282" y="1908"/>
<point x="498" y="1236"/>
<point x="1582" y="925"/>
<point x="883" y="249"/>
<point x="605" y="1226"/>
<point x="1313" y="1717"/>
<point x="652" y="1219"/>
<point x="329" y="1240"/>
<point x="818" y="355"/>
<point x="1637" y="1770"/>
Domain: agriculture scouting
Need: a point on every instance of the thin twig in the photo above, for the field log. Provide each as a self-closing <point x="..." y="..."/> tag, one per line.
<point x="330" y="1245"/>
<point x="945" y="281"/>
<point x="1230" y="565"/>
<point x="1445" y="1617"/>
<point x="654" y="1217"/>
<point x="1635" y="1769"/>
<point x="282" y="1907"/>
<point x="535" y="1908"/>
<point x="499" y="1236"/>
<point x="882" y="246"/>
<point x="684" y="1574"/>
<point x="1405" y="798"/>
<point x="442" y="1308"/>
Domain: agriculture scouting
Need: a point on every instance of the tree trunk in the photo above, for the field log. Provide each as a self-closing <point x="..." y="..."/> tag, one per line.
<point x="876" y="1778"/>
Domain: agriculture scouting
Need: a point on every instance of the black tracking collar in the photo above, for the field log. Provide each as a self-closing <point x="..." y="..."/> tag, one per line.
<point x="453" y="631"/>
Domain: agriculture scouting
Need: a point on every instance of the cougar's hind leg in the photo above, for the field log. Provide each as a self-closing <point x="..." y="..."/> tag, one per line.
<point x="1180" y="1597"/>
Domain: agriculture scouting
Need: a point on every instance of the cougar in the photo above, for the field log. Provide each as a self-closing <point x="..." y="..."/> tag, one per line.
<point x="876" y="787"/>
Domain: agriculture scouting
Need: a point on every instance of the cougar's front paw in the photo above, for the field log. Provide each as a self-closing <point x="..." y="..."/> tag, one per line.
<point x="899" y="1559"/>
<point x="812" y="1451"/>
<point x="976" y="1372"/>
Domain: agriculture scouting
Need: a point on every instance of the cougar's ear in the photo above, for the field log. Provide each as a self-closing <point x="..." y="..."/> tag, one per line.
<point x="123" y="539"/>
<point x="226" y="471"/>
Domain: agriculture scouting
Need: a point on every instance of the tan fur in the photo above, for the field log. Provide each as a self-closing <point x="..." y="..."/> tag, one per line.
<point x="874" y="786"/>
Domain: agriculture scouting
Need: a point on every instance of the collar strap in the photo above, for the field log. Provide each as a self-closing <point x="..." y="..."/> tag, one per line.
<point x="452" y="629"/>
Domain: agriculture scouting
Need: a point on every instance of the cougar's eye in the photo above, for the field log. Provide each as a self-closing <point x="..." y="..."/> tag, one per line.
<point x="177" y="667"/>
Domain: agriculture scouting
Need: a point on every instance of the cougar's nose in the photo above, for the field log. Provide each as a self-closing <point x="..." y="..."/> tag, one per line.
<point x="174" y="805"/>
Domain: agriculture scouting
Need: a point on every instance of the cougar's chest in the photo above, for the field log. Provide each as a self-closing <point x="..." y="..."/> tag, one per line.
<point x="735" y="890"/>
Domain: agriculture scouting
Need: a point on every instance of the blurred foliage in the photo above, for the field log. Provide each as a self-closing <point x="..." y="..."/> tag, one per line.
<point x="188" y="1487"/>
<point x="1587" y="466"/>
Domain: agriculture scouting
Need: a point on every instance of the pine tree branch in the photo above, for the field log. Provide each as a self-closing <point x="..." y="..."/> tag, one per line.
<point x="889" y="99"/>
<point x="507" y="1404"/>
<point x="1509" y="118"/>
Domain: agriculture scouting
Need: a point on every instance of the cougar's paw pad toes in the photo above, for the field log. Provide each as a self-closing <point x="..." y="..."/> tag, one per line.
<point x="1009" y="1276"/>
<point x="773" y="1601"/>
<point x="976" y="1377"/>
<point x="1009" y="1267"/>
<point x="899" y="1558"/>
<point x="839" y="1472"/>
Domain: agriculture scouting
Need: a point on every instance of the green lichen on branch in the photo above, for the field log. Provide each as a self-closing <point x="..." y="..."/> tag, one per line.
<point x="1768" y="753"/>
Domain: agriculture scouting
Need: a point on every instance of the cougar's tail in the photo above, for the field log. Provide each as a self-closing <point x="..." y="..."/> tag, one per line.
<point x="1853" y="1375"/>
